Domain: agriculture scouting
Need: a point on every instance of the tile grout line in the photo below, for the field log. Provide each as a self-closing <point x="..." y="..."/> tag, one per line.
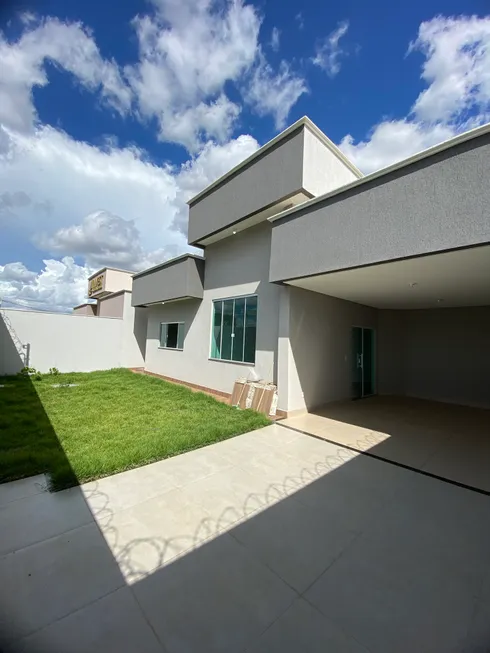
<point x="297" y="595"/>
<point x="143" y="613"/>
<point x="422" y="472"/>
<point x="47" y="539"/>
<point x="68" y="614"/>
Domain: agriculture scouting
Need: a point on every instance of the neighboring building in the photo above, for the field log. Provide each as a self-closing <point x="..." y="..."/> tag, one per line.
<point x="89" y="310"/>
<point x="330" y="284"/>
<point x="107" y="281"/>
<point x="111" y="288"/>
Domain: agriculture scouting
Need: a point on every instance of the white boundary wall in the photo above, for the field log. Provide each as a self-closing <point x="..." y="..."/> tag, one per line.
<point x="71" y="343"/>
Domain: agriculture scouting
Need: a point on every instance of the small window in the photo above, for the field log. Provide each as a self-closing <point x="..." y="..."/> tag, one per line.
<point x="172" y="335"/>
<point x="234" y="329"/>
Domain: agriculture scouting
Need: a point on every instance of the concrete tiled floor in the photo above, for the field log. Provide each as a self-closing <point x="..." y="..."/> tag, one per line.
<point x="446" y="440"/>
<point x="271" y="541"/>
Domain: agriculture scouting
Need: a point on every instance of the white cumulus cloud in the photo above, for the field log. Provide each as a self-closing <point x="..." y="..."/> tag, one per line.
<point x="457" y="97"/>
<point x="113" y="207"/>
<point x="59" y="286"/>
<point x="69" y="46"/>
<point x="273" y="92"/>
<point x="188" y="50"/>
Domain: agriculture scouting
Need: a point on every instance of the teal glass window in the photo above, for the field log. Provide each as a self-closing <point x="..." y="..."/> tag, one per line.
<point x="234" y="329"/>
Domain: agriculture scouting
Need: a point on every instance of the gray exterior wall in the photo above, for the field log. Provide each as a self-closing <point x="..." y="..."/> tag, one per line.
<point x="235" y="266"/>
<point x="317" y="368"/>
<point x="391" y="352"/>
<point x="113" y="306"/>
<point x="441" y="354"/>
<point x="182" y="278"/>
<point x="439" y="203"/>
<point x="267" y="179"/>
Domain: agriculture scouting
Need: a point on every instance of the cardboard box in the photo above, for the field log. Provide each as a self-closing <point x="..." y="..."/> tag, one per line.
<point x="258" y="396"/>
<point x="239" y="394"/>
<point x="263" y="397"/>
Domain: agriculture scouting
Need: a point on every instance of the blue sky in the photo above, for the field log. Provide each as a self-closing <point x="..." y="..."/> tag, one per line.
<point x="113" y="114"/>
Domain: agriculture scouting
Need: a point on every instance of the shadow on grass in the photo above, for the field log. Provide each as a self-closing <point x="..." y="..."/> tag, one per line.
<point x="29" y="444"/>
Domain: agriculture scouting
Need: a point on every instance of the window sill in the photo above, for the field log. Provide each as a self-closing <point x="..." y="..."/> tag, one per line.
<point x="225" y="360"/>
<point x="172" y="348"/>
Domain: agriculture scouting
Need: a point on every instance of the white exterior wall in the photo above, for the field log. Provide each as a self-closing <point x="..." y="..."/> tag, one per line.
<point x="72" y="343"/>
<point x="235" y="266"/>
<point x="322" y="170"/>
<point x="116" y="280"/>
<point x="133" y="336"/>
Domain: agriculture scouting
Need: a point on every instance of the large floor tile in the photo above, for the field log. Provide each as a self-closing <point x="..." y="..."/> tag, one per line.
<point x="35" y="518"/>
<point x="464" y="458"/>
<point x="286" y="473"/>
<point x="47" y="581"/>
<point x="121" y="491"/>
<point x="431" y="529"/>
<point x="409" y="444"/>
<point x="26" y="487"/>
<point x="308" y="422"/>
<point x="232" y="495"/>
<point x="113" y="624"/>
<point x="447" y="440"/>
<point x="238" y="450"/>
<point x="295" y="541"/>
<point x="318" y="455"/>
<point x="355" y="489"/>
<point x="276" y="436"/>
<point x="148" y="535"/>
<point x="192" y="466"/>
<point x="303" y="629"/>
<point x="385" y="614"/>
<point x="217" y="598"/>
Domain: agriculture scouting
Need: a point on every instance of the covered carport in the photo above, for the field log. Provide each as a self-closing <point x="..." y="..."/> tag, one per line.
<point x="427" y="406"/>
<point x="388" y="298"/>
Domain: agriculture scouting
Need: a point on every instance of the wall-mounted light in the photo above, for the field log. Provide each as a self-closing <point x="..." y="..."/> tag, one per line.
<point x="234" y="232"/>
<point x="439" y="301"/>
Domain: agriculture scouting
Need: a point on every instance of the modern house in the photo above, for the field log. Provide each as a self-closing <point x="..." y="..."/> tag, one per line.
<point x="329" y="283"/>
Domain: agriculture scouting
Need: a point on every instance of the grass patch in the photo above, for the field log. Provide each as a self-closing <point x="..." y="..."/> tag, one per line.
<point x="112" y="421"/>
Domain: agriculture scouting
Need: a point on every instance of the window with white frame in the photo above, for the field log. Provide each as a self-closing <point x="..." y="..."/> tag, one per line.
<point x="234" y="329"/>
<point x="172" y="335"/>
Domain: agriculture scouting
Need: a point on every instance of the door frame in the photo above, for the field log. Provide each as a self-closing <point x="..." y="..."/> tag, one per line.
<point x="374" y="369"/>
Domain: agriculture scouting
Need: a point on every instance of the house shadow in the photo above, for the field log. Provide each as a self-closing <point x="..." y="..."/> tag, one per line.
<point x="338" y="552"/>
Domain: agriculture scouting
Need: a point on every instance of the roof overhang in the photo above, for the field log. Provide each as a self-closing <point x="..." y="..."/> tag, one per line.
<point x="447" y="279"/>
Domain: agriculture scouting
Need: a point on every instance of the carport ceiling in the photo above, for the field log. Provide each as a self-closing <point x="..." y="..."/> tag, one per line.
<point x="450" y="279"/>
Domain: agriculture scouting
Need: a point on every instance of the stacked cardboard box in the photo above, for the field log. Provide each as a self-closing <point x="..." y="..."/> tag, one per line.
<point x="259" y="396"/>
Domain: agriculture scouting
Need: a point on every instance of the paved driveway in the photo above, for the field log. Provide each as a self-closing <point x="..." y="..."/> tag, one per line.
<point x="444" y="440"/>
<point x="270" y="542"/>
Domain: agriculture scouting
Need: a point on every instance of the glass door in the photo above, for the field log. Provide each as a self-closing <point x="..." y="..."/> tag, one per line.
<point x="363" y="362"/>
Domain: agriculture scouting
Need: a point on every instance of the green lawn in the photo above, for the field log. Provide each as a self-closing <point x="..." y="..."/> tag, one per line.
<point x="110" y="422"/>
